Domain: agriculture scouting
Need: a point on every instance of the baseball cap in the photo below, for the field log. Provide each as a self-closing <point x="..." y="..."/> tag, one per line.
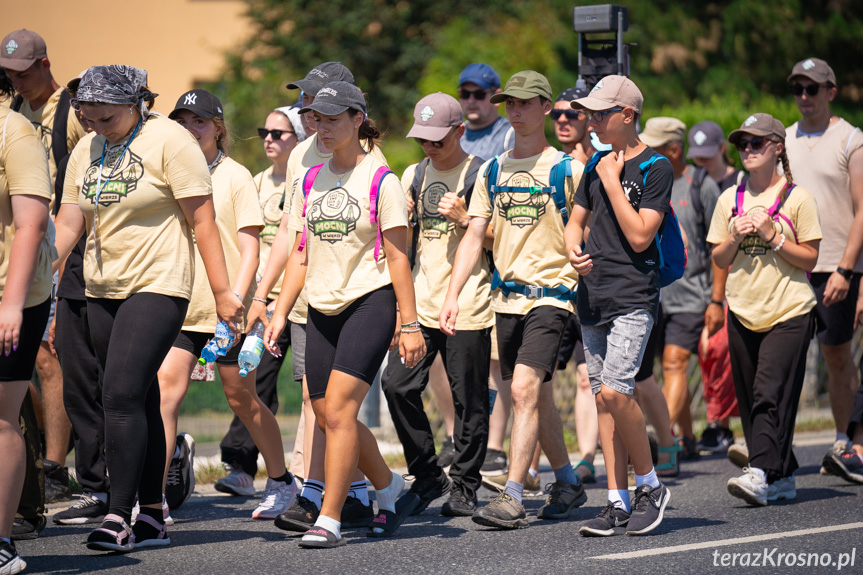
<point x="660" y="130"/>
<point x="200" y="102"/>
<point x="434" y="116"/>
<point x="20" y="49"/>
<point x="815" y="69"/>
<point x="335" y="98"/>
<point x="705" y="139"/>
<point x="759" y="125"/>
<point x="524" y="86"/>
<point x="612" y="91"/>
<point x="571" y="94"/>
<point x="482" y="75"/>
<point x="320" y="76"/>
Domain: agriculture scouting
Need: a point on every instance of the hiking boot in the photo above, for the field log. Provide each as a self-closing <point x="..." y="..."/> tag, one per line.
<point x="648" y="508"/>
<point x="10" y="562"/>
<point x="181" y="473"/>
<point x="785" y="488"/>
<point x="610" y="521"/>
<point x="494" y="463"/>
<point x="503" y="512"/>
<point x="447" y="452"/>
<point x="716" y="439"/>
<point x="25" y="529"/>
<point x="428" y="488"/>
<point x="848" y="465"/>
<point x="356" y="514"/>
<point x="749" y="487"/>
<point x="87" y="509"/>
<point x="278" y="498"/>
<point x="300" y="517"/>
<point x="237" y="482"/>
<point x="56" y="482"/>
<point x="459" y="503"/>
<point x="738" y="454"/>
<point x="564" y="497"/>
<point x="495" y="482"/>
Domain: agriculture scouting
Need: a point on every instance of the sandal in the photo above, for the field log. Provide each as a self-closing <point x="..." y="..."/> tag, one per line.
<point x="590" y="477"/>
<point x="149" y="533"/>
<point x="104" y="539"/>
<point x="386" y="522"/>
<point x="330" y="541"/>
<point x="670" y="468"/>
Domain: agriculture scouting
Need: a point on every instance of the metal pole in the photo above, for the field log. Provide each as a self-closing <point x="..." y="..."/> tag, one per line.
<point x="620" y="63"/>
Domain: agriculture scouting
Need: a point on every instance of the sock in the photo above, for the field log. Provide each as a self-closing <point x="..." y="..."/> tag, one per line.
<point x="327" y="523"/>
<point x="566" y="474"/>
<point x="286" y="478"/>
<point x="156" y="514"/>
<point x="387" y="497"/>
<point x="6" y="539"/>
<point x="360" y="490"/>
<point x="514" y="490"/>
<point x="650" y="479"/>
<point x="620" y="499"/>
<point x="759" y="472"/>
<point x="533" y="472"/>
<point x="103" y="497"/>
<point x="176" y="452"/>
<point x="313" y="490"/>
<point x="843" y="437"/>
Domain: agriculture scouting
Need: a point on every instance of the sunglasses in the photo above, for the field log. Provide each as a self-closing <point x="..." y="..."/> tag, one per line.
<point x="755" y="143"/>
<point x="477" y="94"/>
<point x="438" y="144"/>
<point x="598" y="116"/>
<point x="811" y="89"/>
<point x="274" y="134"/>
<point x="570" y="114"/>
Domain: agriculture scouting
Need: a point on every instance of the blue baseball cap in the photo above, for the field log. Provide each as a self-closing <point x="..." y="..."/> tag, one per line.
<point x="482" y="75"/>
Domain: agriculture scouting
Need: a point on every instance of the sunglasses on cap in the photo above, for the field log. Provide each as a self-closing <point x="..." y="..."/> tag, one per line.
<point x="570" y="114"/>
<point x="274" y="134"/>
<point x="755" y="143"/>
<point x="465" y="94"/>
<point x="438" y="144"/>
<point x="810" y="89"/>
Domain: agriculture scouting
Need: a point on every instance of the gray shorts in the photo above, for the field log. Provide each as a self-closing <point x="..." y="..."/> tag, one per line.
<point x="613" y="351"/>
<point x="298" y="350"/>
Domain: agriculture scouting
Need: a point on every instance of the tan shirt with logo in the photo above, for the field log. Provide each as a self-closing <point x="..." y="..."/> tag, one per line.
<point x="235" y="202"/>
<point x="138" y="240"/>
<point x="763" y="289"/>
<point x="340" y="238"/>
<point x="436" y="246"/>
<point x="270" y="194"/>
<point x="23" y="171"/>
<point x="528" y="230"/>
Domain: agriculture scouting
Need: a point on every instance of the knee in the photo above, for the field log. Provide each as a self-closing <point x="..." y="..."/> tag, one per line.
<point x="337" y="419"/>
<point x="610" y="398"/>
<point x="524" y="394"/>
<point x="675" y="359"/>
<point x="582" y="380"/>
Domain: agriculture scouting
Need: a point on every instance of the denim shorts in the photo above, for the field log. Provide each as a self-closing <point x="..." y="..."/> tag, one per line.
<point x="614" y="350"/>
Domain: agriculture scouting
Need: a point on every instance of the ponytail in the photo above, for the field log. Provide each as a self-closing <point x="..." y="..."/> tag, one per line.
<point x="368" y="131"/>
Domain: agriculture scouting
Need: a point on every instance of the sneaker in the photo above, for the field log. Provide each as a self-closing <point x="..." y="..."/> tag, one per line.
<point x="278" y="497"/>
<point x="749" y="487"/>
<point x="610" y="521"/>
<point x="738" y="454"/>
<point x="564" y="497"/>
<point x="300" y="516"/>
<point x="236" y="482"/>
<point x="785" y="488"/>
<point x="459" y="504"/>
<point x="87" y="509"/>
<point x="356" y="514"/>
<point x="716" y="439"/>
<point x="648" y="508"/>
<point x="447" y="452"/>
<point x="838" y="448"/>
<point x="428" y="488"/>
<point x="10" y="562"/>
<point x="689" y="449"/>
<point x="494" y="463"/>
<point x="848" y="465"/>
<point x="181" y="473"/>
<point x="503" y="512"/>
<point x="26" y="529"/>
<point x="56" y="482"/>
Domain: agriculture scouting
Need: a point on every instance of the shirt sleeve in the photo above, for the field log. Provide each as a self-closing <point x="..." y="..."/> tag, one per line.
<point x="25" y="160"/>
<point x="244" y="194"/>
<point x="657" y="187"/>
<point x="70" y="184"/>
<point x="185" y="167"/>
<point x="808" y="225"/>
<point x="296" y="221"/>
<point x="479" y="201"/>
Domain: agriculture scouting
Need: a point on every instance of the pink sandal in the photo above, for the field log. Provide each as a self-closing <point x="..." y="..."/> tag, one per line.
<point x="103" y="539"/>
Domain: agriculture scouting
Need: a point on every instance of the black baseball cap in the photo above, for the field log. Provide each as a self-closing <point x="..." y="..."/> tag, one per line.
<point x="571" y="94"/>
<point x="320" y="76"/>
<point x="335" y="98"/>
<point x="201" y="103"/>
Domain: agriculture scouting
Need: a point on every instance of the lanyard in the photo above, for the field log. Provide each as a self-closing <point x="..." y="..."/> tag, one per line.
<point x="99" y="185"/>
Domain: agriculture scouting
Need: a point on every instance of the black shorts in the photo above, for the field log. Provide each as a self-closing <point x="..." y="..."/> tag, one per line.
<point x="532" y="339"/>
<point x="572" y="344"/>
<point x="835" y="324"/>
<point x="18" y="365"/>
<point x="681" y="329"/>
<point x="354" y="342"/>
<point x="194" y="342"/>
<point x="649" y="358"/>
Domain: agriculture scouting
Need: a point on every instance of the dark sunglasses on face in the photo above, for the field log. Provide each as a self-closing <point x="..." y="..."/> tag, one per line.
<point x="755" y="143"/>
<point x="438" y="144"/>
<point x="477" y="94"/>
<point x="570" y="114"/>
<point x="274" y="134"/>
<point x="811" y="89"/>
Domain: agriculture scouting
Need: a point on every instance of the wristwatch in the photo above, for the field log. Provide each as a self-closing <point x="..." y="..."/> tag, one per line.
<point x="845" y="273"/>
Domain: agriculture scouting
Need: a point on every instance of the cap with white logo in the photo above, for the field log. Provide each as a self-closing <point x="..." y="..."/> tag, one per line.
<point x="21" y="49"/>
<point x="814" y="69"/>
<point x="434" y="116"/>
<point x="705" y="139"/>
<point x="611" y="92"/>
<point x="759" y="125"/>
<point x="201" y="103"/>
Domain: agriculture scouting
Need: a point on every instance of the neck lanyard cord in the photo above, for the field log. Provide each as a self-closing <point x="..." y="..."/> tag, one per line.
<point x="101" y="186"/>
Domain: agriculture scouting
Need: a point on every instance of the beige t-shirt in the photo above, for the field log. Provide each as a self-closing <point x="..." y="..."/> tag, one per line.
<point x="436" y="246"/>
<point x="270" y="194"/>
<point x="820" y="164"/>
<point x="528" y="230"/>
<point x="763" y="289"/>
<point x="138" y="240"/>
<point x="340" y="238"/>
<point x="235" y="202"/>
<point x="23" y="171"/>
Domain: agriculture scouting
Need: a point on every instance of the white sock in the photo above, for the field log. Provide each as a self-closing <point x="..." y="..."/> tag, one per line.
<point x="843" y="437"/>
<point x="313" y="490"/>
<point x="533" y="472"/>
<point x="650" y="479"/>
<point x="387" y="496"/>
<point x="327" y="523"/>
<point x="620" y="499"/>
<point x="360" y="490"/>
<point x="759" y="472"/>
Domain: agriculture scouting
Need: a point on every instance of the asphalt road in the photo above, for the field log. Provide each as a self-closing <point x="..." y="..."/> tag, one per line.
<point x="704" y="531"/>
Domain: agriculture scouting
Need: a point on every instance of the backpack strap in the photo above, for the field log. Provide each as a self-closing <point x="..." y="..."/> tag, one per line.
<point x="491" y="174"/>
<point x="59" y="130"/>
<point x="737" y="208"/>
<point x="470" y="179"/>
<point x="777" y="205"/>
<point x="416" y="187"/>
<point x="561" y="170"/>
<point x="373" y="204"/>
<point x="308" y="182"/>
<point x="695" y="200"/>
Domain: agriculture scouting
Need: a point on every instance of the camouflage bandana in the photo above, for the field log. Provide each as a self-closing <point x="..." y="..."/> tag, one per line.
<point x="113" y="84"/>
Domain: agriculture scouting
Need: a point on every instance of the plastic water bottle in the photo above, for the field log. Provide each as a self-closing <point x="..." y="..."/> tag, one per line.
<point x="219" y="345"/>
<point x="492" y="395"/>
<point x="253" y="348"/>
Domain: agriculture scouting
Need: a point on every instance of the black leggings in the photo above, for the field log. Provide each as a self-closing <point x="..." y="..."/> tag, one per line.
<point x="131" y="338"/>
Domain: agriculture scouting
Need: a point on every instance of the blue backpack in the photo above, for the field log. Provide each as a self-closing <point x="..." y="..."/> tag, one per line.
<point x="669" y="240"/>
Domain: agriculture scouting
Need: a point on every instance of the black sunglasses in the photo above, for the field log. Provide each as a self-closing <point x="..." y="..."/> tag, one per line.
<point x="438" y="144"/>
<point x="274" y="134"/>
<point x="755" y="143"/>
<point x="477" y="94"/>
<point x="811" y="89"/>
<point x="570" y="114"/>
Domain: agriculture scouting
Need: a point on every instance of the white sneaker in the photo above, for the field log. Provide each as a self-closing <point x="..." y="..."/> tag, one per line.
<point x="237" y="482"/>
<point x="278" y="498"/>
<point x="749" y="487"/>
<point x="785" y="488"/>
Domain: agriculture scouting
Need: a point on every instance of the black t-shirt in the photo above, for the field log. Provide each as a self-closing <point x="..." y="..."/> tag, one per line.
<point x="621" y="281"/>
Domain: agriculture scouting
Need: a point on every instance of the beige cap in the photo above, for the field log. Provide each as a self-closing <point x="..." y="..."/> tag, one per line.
<point x="815" y="69"/>
<point x="662" y="130"/>
<point x="610" y="92"/>
<point x="434" y="116"/>
<point x="20" y="49"/>
<point x="759" y="125"/>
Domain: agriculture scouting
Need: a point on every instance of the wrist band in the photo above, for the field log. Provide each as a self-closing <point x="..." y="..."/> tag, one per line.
<point x="717" y="302"/>
<point x="781" y="243"/>
<point x="411" y="330"/>
<point x="772" y="237"/>
<point x="414" y="323"/>
<point x="260" y="299"/>
<point x="239" y="297"/>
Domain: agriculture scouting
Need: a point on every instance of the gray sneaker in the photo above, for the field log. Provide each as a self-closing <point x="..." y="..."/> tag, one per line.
<point x="503" y="512"/>
<point x="610" y="521"/>
<point x="648" y="508"/>
<point x="564" y="497"/>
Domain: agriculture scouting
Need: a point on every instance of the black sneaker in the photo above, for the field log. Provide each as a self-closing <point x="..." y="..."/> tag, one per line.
<point x="87" y="509"/>
<point x="610" y="521"/>
<point x="10" y="561"/>
<point x="459" y="504"/>
<point x="356" y="514"/>
<point x="428" y="488"/>
<point x="447" y="452"/>
<point x="647" y="509"/>
<point x="24" y="529"/>
<point x="56" y="482"/>
<point x="689" y="449"/>
<point x="181" y="473"/>
<point x="494" y="463"/>
<point x="716" y="439"/>
<point x="564" y="497"/>
<point x="847" y="465"/>
<point x="300" y="516"/>
<point x="503" y="512"/>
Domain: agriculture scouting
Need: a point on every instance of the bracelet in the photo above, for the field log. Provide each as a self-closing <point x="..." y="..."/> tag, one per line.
<point x="717" y="302"/>
<point x="415" y="323"/>
<point x="411" y="330"/>
<point x="239" y="297"/>
<point x="259" y="299"/>
<point x="771" y="237"/>
<point x="781" y="243"/>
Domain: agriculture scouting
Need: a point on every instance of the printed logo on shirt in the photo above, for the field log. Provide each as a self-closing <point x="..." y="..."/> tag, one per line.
<point x="333" y="216"/>
<point x="753" y="245"/>
<point x="123" y="182"/>
<point x="434" y="225"/>
<point x="633" y="191"/>
<point x="522" y="209"/>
